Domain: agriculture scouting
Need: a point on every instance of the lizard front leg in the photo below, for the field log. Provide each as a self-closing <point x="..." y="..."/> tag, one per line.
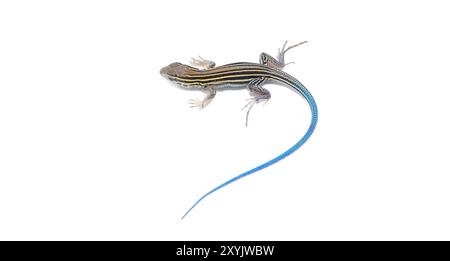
<point x="259" y="94"/>
<point x="197" y="103"/>
<point x="202" y="64"/>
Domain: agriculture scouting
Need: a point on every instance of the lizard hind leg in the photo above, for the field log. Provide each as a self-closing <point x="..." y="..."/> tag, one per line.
<point x="283" y="51"/>
<point x="279" y="63"/>
<point x="259" y="94"/>
<point x="268" y="60"/>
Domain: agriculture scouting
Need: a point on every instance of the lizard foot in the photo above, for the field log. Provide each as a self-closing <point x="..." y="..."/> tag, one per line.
<point x="202" y="64"/>
<point x="197" y="103"/>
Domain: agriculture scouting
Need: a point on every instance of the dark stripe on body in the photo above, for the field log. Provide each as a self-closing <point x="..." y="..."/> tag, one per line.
<point x="236" y="73"/>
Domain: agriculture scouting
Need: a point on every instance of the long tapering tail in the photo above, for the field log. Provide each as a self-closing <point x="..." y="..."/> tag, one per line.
<point x="297" y="86"/>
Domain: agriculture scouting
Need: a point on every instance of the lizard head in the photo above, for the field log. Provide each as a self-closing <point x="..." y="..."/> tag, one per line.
<point x="177" y="73"/>
<point x="174" y="70"/>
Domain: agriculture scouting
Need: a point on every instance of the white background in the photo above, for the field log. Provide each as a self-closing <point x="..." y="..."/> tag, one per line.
<point x="96" y="145"/>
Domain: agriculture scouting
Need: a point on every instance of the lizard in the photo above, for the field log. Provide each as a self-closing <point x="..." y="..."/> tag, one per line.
<point x="204" y="75"/>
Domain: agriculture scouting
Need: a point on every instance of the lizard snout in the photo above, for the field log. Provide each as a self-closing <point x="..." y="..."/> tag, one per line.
<point x="170" y="70"/>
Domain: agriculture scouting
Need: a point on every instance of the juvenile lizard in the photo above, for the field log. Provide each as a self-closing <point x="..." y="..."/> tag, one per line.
<point x="209" y="78"/>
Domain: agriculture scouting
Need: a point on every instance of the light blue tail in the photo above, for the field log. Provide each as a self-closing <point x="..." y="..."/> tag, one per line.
<point x="296" y="85"/>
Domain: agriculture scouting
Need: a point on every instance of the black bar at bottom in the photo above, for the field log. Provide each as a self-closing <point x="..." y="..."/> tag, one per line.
<point x="213" y="250"/>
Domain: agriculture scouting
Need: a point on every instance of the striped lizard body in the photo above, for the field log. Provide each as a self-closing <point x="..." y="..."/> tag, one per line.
<point x="237" y="75"/>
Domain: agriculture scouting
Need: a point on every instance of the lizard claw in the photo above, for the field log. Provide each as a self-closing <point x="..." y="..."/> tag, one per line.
<point x="196" y="103"/>
<point x="283" y="51"/>
<point x="202" y="63"/>
<point x="251" y="102"/>
<point x="250" y="106"/>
